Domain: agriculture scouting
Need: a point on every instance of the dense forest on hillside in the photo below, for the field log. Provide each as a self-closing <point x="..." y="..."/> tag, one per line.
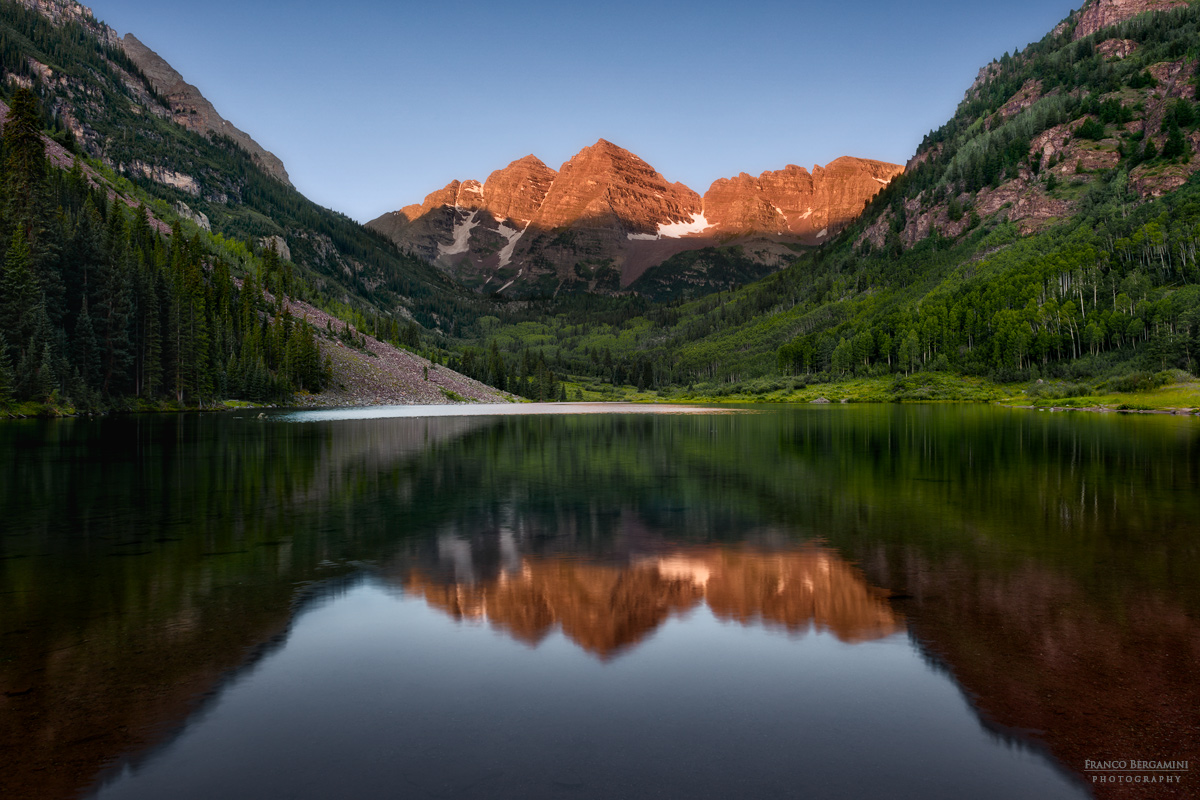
<point x="98" y="306"/>
<point x="342" y="265"/>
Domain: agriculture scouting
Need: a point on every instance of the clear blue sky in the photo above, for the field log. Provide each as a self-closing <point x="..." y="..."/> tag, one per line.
<point x="372" y="104"/>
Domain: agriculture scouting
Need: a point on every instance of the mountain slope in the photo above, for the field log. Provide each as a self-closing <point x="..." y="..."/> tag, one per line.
<point x="1048" y="231"/>
<point x="115" y="294"/>
<point x="597" y="224"/>
<point x="192" y="110"/>
<point x="104" y="107"/>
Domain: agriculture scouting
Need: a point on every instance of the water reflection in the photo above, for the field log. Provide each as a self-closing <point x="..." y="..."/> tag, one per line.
<point x="1045" y="563"/>
<point x="608" y="608"/>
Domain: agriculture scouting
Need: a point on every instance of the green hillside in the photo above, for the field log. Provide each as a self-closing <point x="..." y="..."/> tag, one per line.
<point x="98" y="104"/>
<point x="113" y="295"/>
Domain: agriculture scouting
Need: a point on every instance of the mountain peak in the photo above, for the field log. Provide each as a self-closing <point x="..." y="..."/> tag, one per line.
<point x="609" y="208"/>
<point x="607" y="187"/>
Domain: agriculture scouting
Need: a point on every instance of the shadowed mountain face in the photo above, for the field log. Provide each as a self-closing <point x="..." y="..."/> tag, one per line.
<point x="607" y="609"/>
<point x="192" y="110"/>
<point x="606" y="216"/>
<point x="1044" y="562"/>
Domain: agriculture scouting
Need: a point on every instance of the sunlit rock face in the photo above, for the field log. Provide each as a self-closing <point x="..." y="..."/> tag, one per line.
<point x="606" y="216"/>
<point x="794" y="201"/>
<point x="607" y="609"/>
<point x="516" y="193"/>
<point x="607" y="186"/>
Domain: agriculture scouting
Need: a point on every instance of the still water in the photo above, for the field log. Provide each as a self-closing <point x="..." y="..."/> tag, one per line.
<point x="767" y="602"/>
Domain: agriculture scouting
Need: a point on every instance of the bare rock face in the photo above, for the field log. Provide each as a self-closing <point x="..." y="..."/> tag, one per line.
<point x="740" y="203"/>
<point x="1030" y="93"/>
<point x="279" y="243"/>
<point x="606" y="217"/>
<point x="606" y="186"/>
<point x="191" y="109"/>
<point x="1100" y="14"/>
<point x="517" y="192"/>
<point x="198" y="217"/>
<point x="178" y="180"/>
<point x="1117" y="48"/>
<point x="794" y="201"/>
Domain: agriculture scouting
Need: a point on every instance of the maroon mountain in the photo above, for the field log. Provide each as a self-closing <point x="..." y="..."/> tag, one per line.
<point x="606" y="216"/>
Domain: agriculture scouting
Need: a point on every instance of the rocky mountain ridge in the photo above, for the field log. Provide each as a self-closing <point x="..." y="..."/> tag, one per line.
<point x="61" y="12"/>
<point x="185" y="104"/>
<point x="192" y="110"/>
<point x="606" y="216"/>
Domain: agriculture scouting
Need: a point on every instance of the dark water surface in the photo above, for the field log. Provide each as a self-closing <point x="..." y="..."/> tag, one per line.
<point x="850" y="602"/>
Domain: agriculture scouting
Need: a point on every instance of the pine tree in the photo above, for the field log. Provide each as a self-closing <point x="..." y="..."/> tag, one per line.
<point x="20" y="295"/>
<point x="114" y="308"/>
<point x="1176" y="146"/>
<point x="27" y="205"/>
<point x="85" y="350"/>
<point x="6" y="372"/>
<point x="45" y="380"/>
<point x="85" y="254"/>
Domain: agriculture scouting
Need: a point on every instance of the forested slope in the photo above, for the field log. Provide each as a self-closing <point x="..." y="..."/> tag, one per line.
<point x="142" y="261"/>
<point x="98" y="104"/>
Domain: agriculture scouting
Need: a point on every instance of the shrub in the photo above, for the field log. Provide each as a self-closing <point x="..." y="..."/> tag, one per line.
<point x="1090" y="129"/>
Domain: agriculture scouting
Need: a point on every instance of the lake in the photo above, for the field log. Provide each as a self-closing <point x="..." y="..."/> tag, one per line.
<point x="841" y="602"/>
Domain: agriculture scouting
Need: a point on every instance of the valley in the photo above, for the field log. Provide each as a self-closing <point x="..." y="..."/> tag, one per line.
<point x="1044" y="237"/>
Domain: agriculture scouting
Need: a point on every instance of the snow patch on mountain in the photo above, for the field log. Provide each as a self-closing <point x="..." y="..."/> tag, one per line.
<point x="513" y="235"/>
<point x="674" y="230"/>
<point x="462" y="236"/>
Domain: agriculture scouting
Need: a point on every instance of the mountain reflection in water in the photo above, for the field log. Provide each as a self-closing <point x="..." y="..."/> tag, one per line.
<point x="607" y="608"/>
<point x="1043" y="567"/>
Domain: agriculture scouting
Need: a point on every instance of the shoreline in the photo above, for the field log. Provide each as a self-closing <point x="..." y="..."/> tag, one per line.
<point x="574" y="407"/>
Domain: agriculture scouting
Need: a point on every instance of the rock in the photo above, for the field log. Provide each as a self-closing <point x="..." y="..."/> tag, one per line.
<point x="1117" y="48"/>
<point x="516" y="192"/>
<point x="167" y="177"/>
<point x="820" y="401"/>
<point x="61" y="12"/>
<point x="986" y="74"/>
<point x="279" y="243"/>
<point x="198" y="217"/>
<point x="607" y="216"/>
<point x="1029" y="94"/>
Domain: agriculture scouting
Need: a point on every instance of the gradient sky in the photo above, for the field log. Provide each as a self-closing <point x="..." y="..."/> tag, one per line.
<point x="374" y="104"/>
